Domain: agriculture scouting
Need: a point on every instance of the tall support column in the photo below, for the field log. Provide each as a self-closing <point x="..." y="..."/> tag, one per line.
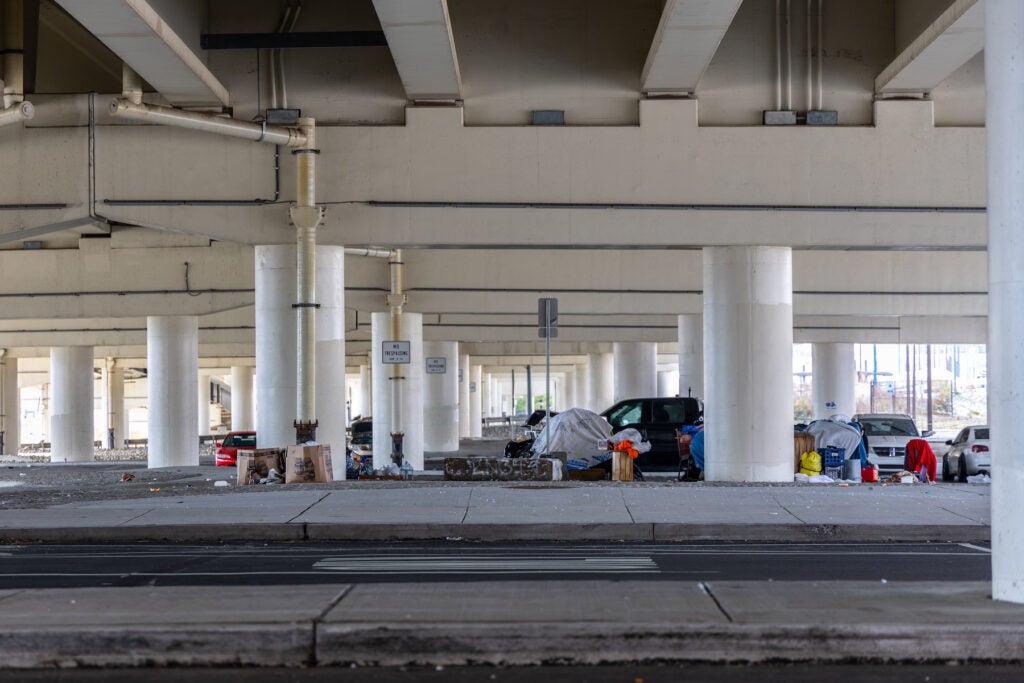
<point x="748" y="363"/>
<point x="476" y="401"/>
<point x="582" y="388"/>
<point x="275" y="345"/>
<point x="115" y="431"/>
<point x="601" y="371"/>
<point x="667" y="383"/>
<point x="172" y="347"/>
<point x="330" y="350"/>
<point x="243" y="417"/>
<point x="11" y="405"/>
<point x="833" y="379"/>
<point x="465" y="418"/>
<point x="1004" y="124"/>
<point x="203" y="401"/>
<point x="441" y="397"/>
<point x="691" y="355"/>
<point x="365" y="390"/>
<point x="71" y="418"/>
<point x="636" y="369"/>
<point x="411" y="390"/>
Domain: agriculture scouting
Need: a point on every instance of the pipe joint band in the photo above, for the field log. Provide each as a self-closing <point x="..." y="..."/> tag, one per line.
<point x="263" y="130"/>
<point x="305" y="305"/>
<point x="305" y="151"/>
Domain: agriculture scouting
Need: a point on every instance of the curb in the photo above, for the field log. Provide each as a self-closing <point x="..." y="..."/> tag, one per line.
<point x="666" y="532"/>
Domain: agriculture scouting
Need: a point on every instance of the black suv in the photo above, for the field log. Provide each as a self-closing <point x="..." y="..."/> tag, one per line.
<point x="657" y="419"/>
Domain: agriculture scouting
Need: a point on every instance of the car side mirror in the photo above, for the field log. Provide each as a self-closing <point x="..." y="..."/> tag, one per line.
<point x="949" y="442"/>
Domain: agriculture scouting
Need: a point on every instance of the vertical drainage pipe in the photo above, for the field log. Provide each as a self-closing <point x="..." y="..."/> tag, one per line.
<point x="821" y="54"/>
<point x="13" y="53"/>
<point x="396" y="301"/>
<point x="778" y="71"/>
<point x="305" y="217"/>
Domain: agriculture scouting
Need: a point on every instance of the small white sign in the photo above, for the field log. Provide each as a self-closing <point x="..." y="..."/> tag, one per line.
<point x="396" y="352"/>
<point x="472" y="387"/>
<point x="437" y="366"/>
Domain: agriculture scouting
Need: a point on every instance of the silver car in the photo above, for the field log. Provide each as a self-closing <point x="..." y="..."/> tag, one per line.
<point x="968" y="454"/>
<point x="888" y="434"/>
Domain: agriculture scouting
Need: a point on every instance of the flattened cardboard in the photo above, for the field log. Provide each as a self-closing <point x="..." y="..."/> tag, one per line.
<point x="255" y="464"/>
<point x="308" y="464"/>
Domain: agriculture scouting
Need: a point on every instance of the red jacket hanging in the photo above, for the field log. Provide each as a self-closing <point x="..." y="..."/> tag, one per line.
<point x="920" y="454"/>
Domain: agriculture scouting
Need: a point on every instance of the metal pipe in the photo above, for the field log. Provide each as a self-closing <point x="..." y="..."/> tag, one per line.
<point x="778" y="56"/>
<point x="821" y="54"/>
<point x="789" y="56"/>
<point x="396" y="301"/>
<point x="21" y="111"/>
<point x="587" y="206"/>
<point x="13" y="53"/>
<point x="210" y="123"/>
<point x="375" y="253"/>
<point x="131" y="84"/>
<point x="306" y="217"/>
<point x="810" y="58"/>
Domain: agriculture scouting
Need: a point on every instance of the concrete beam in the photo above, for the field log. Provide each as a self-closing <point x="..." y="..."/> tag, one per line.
<point x="137" y="33"/>
<point x="687" y="38"/>
<point x="419" y="34"/>
<point x="942" y="48"/>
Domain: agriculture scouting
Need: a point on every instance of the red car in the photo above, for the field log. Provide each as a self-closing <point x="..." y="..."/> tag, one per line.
<point x="227" y="450"/>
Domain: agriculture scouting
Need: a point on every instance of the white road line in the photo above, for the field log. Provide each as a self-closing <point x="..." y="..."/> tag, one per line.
<point x="975" y="547"/>
<point x="398" y="565"/>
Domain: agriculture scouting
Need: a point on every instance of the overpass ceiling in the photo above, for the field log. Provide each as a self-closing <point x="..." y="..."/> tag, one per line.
<point x="419" y="34"/>
<point x="941" y="49"/>
<point x="688" y="35"/>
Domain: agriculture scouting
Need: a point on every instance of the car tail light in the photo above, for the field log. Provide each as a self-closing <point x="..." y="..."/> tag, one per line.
<point x="978" y="448"/>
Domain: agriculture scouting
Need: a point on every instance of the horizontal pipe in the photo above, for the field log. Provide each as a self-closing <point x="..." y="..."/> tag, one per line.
<point x="833" y="208"/>
<point x="187" y="202"/>
<point x="123" y="292"/>
<point x="207" y="123"/>
<point x="22" y="111"/>
<point x="375" y="253"/>
<point x="32" y="207"/>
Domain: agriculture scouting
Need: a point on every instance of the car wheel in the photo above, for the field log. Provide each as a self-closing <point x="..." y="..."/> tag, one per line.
<point x="961" y="470"/>
<point x="946" y="474"/>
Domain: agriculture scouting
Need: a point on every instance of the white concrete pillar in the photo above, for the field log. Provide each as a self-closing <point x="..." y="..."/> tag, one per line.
<point x="411" y="404"/>
<point x="485" y="394"/>
<point x="365" y="390"/>
<point x="601" y="379"/>
<point x="441" y="397"/>
<point x="691" y="356"/>
<point x="172" y="347"/>
<point x="668" y="383"/>
<point x="113" y="401"/>
<point x="11" y="405"/>
<point x="636" y="369"/>
<point x="275" y="345"/>
<point x="203" y="401"/>
<point x="465" y="411"/>
<point x="330" y="350"/>
<point x="1004" y="123"/>
<point x="748" y="363"/>
<point x="71" y="417"/>
<point x="581" y="390"/>
<point x="476" y="376"/>
<point x="833" y="379"/>
<point x="243" y="415"/>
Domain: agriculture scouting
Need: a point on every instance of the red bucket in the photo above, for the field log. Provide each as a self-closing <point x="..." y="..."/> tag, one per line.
<point x="869" y="474"/>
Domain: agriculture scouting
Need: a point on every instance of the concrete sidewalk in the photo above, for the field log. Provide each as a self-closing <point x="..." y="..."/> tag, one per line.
<point x="507" y="623"/>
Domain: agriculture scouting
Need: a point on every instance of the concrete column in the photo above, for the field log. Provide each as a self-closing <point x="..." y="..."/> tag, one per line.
<point x="1004" y="123"/>
<point x="636" y="369"/>
<point x="203" y="401"/>
<point x="691" y="356"/>
<point x="441" y="398"/>
<point x="475" y="401"/>
<point x="71" y="418"/>
<point x="581" y="389"/>
<point x="365" y="390"/>
<point x="172" y="347"/>
<point x="485" y="394"/>
<point x="11" y="405"/>
<point x="465" y="412"/>
<point x="275" y="345"/>
<point x="668" y="383"/>
<point x="114" y="412"/>
<point x="411" y="404"/>
<point x="601" y="379"/>
<point x="330" y="350"/>
<point x="833" y="379"/>
<point x="748" y="363"/>
<point x="243" y="416"/>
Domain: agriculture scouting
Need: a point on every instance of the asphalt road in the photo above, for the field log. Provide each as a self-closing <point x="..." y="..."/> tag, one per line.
<point x="65" y="566"/>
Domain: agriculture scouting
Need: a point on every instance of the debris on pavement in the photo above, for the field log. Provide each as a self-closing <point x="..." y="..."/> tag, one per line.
<point x="128" y="476"/>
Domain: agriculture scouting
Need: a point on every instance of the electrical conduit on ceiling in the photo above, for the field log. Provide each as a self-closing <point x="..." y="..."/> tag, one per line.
<point x="14" y="108"/>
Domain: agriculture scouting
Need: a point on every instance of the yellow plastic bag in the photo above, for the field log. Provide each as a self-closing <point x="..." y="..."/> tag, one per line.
<point x="810" y="463"/>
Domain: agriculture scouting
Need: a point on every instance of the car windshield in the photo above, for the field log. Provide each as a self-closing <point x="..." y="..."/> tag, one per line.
<point x="362" y="439"/>
<point x="894" y="426"/>
<point x="240" y="440"/>
<point x="981" y="434"/>
<point x="627" y="413"/>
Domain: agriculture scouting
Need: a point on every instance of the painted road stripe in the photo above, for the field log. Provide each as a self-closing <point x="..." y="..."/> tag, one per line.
<point x="975" y="547"/>
<point x="399" y="565"/>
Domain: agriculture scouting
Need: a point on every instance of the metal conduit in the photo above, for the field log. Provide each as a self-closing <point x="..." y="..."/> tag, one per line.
<point x="396" y="301"/>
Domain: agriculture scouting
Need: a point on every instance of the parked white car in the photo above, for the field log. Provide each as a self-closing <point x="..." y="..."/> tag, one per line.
<point x="888" y="434"/>
<point x="968" y="454"/>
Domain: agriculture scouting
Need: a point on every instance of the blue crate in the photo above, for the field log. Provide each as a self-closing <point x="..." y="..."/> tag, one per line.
<point x="832" y="456"/>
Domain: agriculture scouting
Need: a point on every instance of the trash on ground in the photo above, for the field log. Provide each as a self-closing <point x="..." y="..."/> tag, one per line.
<point x="979" y="479"/>
<point x="802" y="478"/>
<point x="219" y="483"/>
<point x="128" y="476"/>
<point x="154" y="489"/>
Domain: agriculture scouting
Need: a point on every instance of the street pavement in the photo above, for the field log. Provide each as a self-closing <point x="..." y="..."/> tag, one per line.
<point x="500" y="622"/>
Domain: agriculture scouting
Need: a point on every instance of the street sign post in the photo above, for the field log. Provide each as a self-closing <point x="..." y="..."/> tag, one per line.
<point x="547" y="327"/>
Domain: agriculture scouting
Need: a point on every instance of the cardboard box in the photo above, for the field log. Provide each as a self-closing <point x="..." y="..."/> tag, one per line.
<point x="307" y="464"/>
<point x="255" y="464"/>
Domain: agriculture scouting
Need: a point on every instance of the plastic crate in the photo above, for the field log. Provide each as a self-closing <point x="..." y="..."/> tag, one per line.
<point x="834" y="473"/>
<point x="832" y="456"/>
